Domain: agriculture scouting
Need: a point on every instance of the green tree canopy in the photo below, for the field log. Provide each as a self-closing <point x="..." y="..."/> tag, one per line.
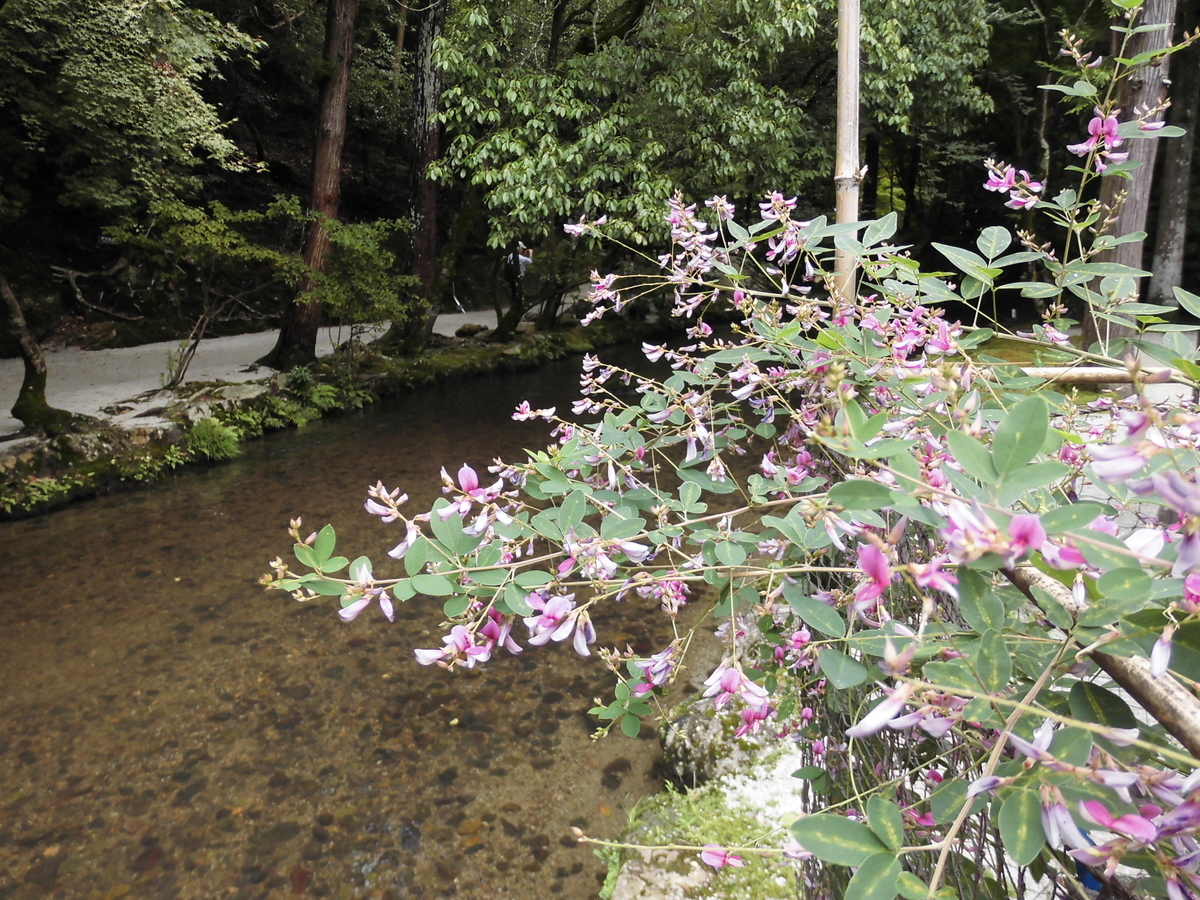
<point x="100" y="101"/>
<point x="607" y="108"/>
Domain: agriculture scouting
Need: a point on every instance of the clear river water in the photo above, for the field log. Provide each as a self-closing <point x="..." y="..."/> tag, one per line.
<point x="169" y="730"/>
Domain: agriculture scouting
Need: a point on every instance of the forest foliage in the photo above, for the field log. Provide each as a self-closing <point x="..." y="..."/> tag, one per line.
<point x="112" y="112"/>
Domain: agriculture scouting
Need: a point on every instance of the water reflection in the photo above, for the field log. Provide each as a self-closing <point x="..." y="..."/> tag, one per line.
<point x="171" y="731"/>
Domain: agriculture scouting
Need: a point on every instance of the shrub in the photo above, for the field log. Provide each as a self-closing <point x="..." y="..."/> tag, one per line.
<point x="213" y="440"/>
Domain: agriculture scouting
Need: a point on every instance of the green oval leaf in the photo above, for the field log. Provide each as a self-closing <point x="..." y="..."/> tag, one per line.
<point x="842" y="671"/>
<point x="820" y="616"/>
<point x="978" y="603"/>
<point x="1071" y="517"/>
<point x="324" y="544"/>
<point x="631" y="725"/>
<point x="418" y="553"/>
<point x="1020" y="435"/>
<point x="1092" y="703"/>
<point x="975" y="459"/>
<point x="326" y="588"/>
<point x="1125" y="583"/>
<point x="433" y="585"/>
<point x="731" y="553"/>
<point x="516" y="600"/>
<point x="875" y="879"/>
<point x="532" y="578"/>
<point x="860" y="494"/>
<point x="993" y="241"/>
<point x="884" y="818"/>
<point x="947" y="800"/>
<point x="911" y="887"/>
<point x="808" y="773"/>
<point x="836" y="839"/>
<point x="991" y="662"/>
<point x="1021" y="826"/>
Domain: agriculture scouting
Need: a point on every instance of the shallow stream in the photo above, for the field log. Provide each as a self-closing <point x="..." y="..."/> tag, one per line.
<point x="169" y="730"/>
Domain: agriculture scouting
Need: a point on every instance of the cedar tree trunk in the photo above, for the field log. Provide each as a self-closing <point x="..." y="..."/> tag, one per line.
<point x="1170" y="241"/>
<point x="423" y="260"/>
<point x="1143" y="88"/>
<point x="297" y="344"/>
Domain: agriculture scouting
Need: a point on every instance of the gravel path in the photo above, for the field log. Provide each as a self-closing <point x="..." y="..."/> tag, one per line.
<point x="86" y="381"/>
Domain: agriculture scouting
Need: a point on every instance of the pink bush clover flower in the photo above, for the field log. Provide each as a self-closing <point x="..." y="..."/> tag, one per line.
<point x="718" y="857"/>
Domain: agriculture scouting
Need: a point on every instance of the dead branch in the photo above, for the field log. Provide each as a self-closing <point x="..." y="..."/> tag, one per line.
<point x="71" y="276"/>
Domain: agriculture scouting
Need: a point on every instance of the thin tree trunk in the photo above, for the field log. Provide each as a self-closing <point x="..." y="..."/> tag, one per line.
<point x="1144" y="88"/>
<point x="1170" y="241"/>
<point x="31" y="406"/>
<point x="426" y="147"/>
<point x="870" y="187"/>
<point x="297" y="344"/>
<point x="398" y="53"/>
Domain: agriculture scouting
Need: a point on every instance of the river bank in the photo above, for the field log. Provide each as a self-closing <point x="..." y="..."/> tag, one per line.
<point x="143" y="430"/>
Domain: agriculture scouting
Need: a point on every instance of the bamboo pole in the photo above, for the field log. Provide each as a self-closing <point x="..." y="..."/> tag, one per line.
<point x="1087" y="375"/>
<point x="846" y="176"/>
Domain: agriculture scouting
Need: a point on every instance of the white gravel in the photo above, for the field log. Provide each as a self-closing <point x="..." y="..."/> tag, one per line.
<point x="86" y="381"/>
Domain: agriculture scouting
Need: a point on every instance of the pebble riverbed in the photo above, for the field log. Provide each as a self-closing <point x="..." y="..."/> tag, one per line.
<point x="167" y="730"/>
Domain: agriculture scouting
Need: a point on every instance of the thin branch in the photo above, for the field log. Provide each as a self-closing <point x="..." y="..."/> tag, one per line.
<point x="72" y="277"/>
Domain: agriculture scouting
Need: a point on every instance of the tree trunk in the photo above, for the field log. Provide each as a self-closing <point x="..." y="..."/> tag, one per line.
<point x="909" y="177"/>
<point x="410" y="336"/>
<point x="1170" y="241"/>
<point x="31" y="406"/>
<point x="1144" y="88"/>
<point x="506" y="325"/>
<point x="297" y="344"/>
<point x="553" y="257"/>
<point x="870" y="187"/>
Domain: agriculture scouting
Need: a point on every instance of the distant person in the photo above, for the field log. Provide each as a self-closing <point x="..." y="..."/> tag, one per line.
<point x="524" y="256"/>
<point x="515" y="265"/>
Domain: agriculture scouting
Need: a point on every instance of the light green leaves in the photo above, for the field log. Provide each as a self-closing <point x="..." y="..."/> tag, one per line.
<point x="1188" y="301"/>
<point x="1021" y="826"/>
<point x="1071" y="517"/>
<point x="860" y="494"/>
<point x="1020" y="435"/>
<point x="969" y="263"/>
<point x="975" y="459"/>
<point x="991" y="662"/>
<point x="842" y="671"/>
<point x="875" y="879"/>
<point x="1125" y="583"/>
<point x="323" y="545"/>
<point x="1078" y="89"/>
<point x="836" y="839"/>
<point x="823" y="618"/>
<point x="978" y="604"/>
<point x="993" y="241"/>
<point x="433" y="585"/>
<point x="885" y="820"/>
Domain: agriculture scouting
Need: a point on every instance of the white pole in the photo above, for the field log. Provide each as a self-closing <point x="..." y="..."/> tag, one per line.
<point x="846" y="175"/>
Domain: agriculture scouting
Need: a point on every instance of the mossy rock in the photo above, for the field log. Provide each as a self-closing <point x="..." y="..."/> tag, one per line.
<point x="696" y="818"/>
<point x="732" y="791"/>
